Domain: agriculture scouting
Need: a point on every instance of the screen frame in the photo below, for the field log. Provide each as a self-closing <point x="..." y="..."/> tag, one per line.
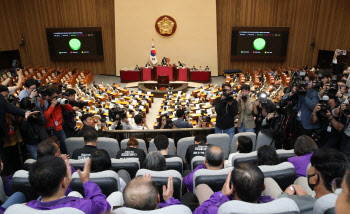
<point x="285" y="37"/>
<point x="99" y="45"/>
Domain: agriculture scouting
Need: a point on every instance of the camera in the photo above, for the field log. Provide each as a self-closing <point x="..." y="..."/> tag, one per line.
<point x="263" y="99"/>
<point x="12" y="99"/>
<point x="115" y="114"/>
<point x="206" y="118"/>
<point x="103" y="119"/>
<point x="324" y="106"/>
<point x="61" y="101"/>
<point x="244" y="98"/>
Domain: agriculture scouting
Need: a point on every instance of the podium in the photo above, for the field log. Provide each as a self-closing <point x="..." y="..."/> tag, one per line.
<point x="163" y="82"/>
<point x="165" y="71"/>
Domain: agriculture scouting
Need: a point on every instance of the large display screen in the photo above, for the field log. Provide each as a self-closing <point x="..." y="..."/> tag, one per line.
<point x="259" y="43"/>
<point x="75" y="43"/>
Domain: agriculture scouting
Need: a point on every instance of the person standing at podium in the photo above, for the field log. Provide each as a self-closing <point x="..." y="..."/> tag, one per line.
<point x="164" y="61"/>
<point x="180" y="65"/>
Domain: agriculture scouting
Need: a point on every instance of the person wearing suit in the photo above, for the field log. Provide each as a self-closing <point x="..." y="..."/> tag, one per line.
<point x="164" y="61"/>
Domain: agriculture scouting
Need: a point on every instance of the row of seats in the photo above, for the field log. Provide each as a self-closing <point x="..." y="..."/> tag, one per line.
<point x="284" y="174"/>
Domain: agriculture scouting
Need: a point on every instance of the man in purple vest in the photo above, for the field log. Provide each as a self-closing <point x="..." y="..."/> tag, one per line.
<point x="50" y="177"/>
<point x="245" y="183"/>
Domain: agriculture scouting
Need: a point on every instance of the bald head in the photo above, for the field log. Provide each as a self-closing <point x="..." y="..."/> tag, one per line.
<point x="141" y="194"/>
<point x="214" y="156"/>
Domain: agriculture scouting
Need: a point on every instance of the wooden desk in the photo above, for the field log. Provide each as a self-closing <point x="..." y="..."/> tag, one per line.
<point x="130" y="76"/>
<point x="200" y="76"/>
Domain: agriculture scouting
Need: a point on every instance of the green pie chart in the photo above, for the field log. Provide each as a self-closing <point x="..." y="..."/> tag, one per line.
<point x="74" y="44"/>
<point x="259" y="44"/>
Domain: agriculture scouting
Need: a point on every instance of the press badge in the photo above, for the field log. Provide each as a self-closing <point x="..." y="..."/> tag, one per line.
<point x="56" y="123"/>
<point x="329" y="129"/>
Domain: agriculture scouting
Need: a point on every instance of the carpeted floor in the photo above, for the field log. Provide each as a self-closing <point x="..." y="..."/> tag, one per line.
<point x="151" y="117"/>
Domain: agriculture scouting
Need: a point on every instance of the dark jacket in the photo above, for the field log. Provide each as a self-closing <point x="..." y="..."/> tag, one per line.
<point x="33" y="130"/>
<point x="6" y="107"/>
<point x="226" y="113"/>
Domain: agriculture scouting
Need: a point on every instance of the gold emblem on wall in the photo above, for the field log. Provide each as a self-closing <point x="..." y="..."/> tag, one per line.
<point x="165" y="25"/>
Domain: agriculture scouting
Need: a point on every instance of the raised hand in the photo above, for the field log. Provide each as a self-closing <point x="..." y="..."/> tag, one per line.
<point x="168" y="192"/>
<point x="85" y="174"/>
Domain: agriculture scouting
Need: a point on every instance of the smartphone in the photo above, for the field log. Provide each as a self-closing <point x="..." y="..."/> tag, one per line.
<point x="343" y="52"/>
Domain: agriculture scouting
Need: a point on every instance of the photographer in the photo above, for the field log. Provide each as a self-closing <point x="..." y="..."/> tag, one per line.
<point x="204" y="121"/>
<point x="54" y="115"/>
<point x="344" y="112"/>
<point x="69" y="117"/>
<point x="343" y="91"/>
<point x="165" y="123"/>
<point x="226" y="110"/>
<point x="32" y="129"/>
<point x="336" y="67"/>
<point x="29" y="89"/>
<point x="331" y="125"/>
<point x="306" y="99"/>
<point x="245" y="108"/>
<point x="14" y="73"/>
<point x="325" y="79"/>
<point x="262" y="107"/>
<point x="8" y="109"/>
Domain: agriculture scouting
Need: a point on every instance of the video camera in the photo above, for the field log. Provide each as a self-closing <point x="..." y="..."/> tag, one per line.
<point x="324" y="106"/>
<point x="13" y="72"/>
<point x="228" y="95"/>
<point x="115" y="114"/>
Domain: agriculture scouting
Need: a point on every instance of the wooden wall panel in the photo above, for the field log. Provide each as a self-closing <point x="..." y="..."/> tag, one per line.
<point x="36" y="15"/>
<point x="326" y="21"/>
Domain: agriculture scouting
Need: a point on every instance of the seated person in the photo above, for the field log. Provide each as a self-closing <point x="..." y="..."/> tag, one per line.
<point x="51" y="176"/>
<point x="197" y="149"/>
<point x="132" y="151"/>
<point x="207" y="68"/>
<point x="244" y="145"/>
<point x="244" y="183"/>
<point x="137" y="67"/>
<point x="140" y="123"/>
<point x="90" y="140"/>
<point x="100" y="161"/>
<point x="326" y="165"/>
<point x="303" y="148"/>
<point x="267" y="155"/>
<point x="142" y="194"/>
<point x="155" y="161"/>
<point x="214" y="160"/>
<point x="88" y="124"/>
<point x="162" y="145"/>
<point x="342" y="205"/>
<point x="51" y="147"/>
<point x="193" y="68"/>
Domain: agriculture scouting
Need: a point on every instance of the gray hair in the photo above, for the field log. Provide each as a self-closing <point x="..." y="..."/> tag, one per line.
<point x="155" y="161"/>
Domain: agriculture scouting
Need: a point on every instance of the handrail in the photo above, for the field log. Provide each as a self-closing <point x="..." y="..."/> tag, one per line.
<point x="159" y="130"/>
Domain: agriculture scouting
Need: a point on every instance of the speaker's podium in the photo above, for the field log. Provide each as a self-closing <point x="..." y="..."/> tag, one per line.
<point x="163" y="82"/>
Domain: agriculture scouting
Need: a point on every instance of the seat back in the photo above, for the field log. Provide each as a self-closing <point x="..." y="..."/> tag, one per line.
<point x="108" y="181"/>
<point x="233" y="146"/>
<point x="174" y="163"/>
<point x="173" y="209"/>
<point x="142" y="144"/>
<point x="222" y="140"/>
<point x="196" y="161"/>
<point x="74" y="143"/>
<point x="131" y="165"/>
<point x="280" y="206"/>
<point x="215" y="179"/>
<point x="152" y="146"/>
<point x="161" y="178"/>
<point x="283" y="155"/>
<point x="28" y="163"/>
<point x="182" y="146"/>
<point x="111" y="145"/>
<point x="77" y="164"/>
<point x="20" y="183"/>
<point x="325" y="203"/>
<point x="263" y="139"/>
<point x="284" y="173"/>
<point x="244" y="158"/>
<point x="21" y="208"/>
